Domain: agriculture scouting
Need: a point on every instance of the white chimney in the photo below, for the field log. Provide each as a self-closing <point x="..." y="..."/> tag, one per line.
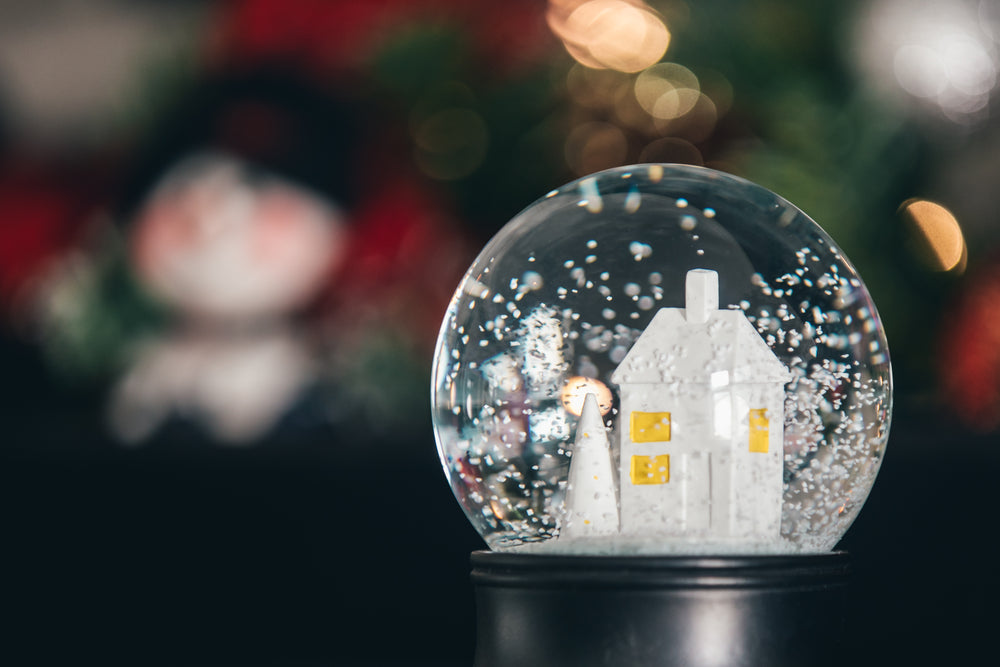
<point x="701" y="295"/>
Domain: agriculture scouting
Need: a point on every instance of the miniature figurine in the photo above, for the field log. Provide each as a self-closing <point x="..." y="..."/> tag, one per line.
<point x="700" y="429"/>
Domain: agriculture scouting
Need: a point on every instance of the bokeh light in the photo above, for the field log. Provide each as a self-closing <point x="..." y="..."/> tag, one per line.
<point x="576" y="389"/>
<point x="672" y="149"/>
<point x="451" y="143"/>
<point x="659" y="114"/>
<point x="612" y="34"/>
<point x="937" y="234"/>
<point x="667" y="90"/>
<point x="939" y="55"/>
<point x="595" y="146"/>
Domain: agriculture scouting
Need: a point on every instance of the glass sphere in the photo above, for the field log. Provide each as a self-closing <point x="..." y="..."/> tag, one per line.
<point x="661" y="359"/>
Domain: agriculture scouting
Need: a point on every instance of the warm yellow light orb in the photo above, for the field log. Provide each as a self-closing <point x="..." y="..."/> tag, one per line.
<point x="621" y="35"/>
<point x="937" y="232"/>
<point x="576" y="389"/>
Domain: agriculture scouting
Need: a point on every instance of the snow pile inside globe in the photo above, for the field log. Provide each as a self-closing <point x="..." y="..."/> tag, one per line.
<point x="661" y="359"/>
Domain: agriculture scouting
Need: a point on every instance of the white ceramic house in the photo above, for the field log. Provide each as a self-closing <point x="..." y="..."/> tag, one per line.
<point x="700" y="424"/>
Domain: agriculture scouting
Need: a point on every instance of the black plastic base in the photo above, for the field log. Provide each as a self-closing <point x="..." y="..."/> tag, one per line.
<point x="662" y="611"/>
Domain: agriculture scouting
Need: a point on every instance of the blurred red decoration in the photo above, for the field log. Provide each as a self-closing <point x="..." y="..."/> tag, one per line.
<point x="970" y="352"/>
<point x="41" y="211"/>
<point x="404" y="257"/>
<point x="328" y="35"/>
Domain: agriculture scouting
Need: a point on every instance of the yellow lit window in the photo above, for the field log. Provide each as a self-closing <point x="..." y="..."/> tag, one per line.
<point x="650" y="469"/>
<point x="758" y="431"/>
<point x="649" y="426"/>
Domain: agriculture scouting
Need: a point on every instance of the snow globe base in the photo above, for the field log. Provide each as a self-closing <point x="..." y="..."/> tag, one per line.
<point x="659" y="611"/>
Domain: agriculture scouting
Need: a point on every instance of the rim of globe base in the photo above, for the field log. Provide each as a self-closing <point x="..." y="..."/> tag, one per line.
<point x="784" y="571"/>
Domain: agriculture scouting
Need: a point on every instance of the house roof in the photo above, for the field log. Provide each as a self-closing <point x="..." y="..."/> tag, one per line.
<point x="722" y="348"/>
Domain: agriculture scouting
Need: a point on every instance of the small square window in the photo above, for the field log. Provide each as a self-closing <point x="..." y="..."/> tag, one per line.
<point x="650" y="469"/>
<point x="649" y="426"/>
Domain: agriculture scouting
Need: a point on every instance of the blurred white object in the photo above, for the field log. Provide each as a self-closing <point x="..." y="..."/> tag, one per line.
<point x="936" y="56"/>
<point x="67" y="67"/>
<point x="235" y="253"/>
<point x="220" y="242"/>
<point x="236" y="387"/>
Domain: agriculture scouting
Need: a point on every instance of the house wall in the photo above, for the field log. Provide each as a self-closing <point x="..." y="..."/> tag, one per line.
<point x="717" y="487"/>
<point x="755" y="510"/>
<point x="681" y="505"/>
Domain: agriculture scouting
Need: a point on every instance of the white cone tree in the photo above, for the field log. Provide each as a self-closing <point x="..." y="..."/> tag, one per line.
<point x="591" y="500"/>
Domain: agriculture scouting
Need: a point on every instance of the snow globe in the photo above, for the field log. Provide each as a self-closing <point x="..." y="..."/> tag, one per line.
<point x="656" y="379"/>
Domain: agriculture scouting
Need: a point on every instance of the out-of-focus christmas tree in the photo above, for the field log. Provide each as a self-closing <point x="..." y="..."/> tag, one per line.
<point x="452" y="116"/>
